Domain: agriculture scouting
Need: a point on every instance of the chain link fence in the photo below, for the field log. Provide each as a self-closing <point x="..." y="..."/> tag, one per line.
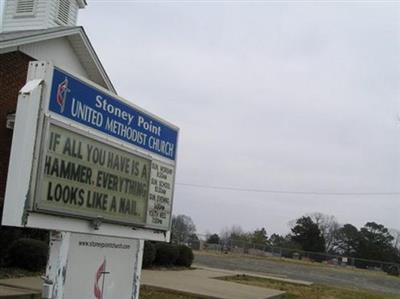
<point x="264" y="250"/>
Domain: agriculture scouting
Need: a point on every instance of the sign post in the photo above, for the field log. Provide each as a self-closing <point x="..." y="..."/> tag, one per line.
<point x="87" y="162"/>
<point x="90" y="266"/>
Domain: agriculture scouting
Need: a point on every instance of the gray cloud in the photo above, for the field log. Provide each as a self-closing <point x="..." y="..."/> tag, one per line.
<point x="269" y="96"/>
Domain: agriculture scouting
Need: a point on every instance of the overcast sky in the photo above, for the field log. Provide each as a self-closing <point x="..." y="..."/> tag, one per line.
<point x="287" y="96"/>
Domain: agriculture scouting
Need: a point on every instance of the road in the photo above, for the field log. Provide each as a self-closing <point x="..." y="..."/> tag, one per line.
<point x="331" y="275"/>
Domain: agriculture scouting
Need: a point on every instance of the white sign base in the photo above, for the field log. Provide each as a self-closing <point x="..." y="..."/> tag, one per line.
<point x="93" y="267"/>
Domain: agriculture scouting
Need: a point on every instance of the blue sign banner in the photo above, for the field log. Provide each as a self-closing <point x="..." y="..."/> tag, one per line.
<point x="82" y="103"/>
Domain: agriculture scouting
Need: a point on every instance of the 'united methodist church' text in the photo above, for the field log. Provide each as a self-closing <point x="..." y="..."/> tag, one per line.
<point x="90" y="115"/>
<point x="76" y="100"/>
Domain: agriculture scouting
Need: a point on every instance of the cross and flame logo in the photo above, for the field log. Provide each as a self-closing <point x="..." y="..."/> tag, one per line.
<point x="101" y="271"/>
<point x="61" y="96"/>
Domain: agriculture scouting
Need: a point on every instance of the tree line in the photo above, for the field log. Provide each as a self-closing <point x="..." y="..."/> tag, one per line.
<point x="314" y="233"/>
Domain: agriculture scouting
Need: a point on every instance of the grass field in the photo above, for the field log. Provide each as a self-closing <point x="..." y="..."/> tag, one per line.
<point x="147" y="292"/>
<point x="293" y="291"/>
<point x="16" y="272"/>
<point x="315" y="291"/>
<point x="319" y="273"/>
<point x="307" y="263"/>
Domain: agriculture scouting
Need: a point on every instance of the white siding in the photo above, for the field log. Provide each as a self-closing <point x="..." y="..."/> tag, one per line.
<point x="11" y="22"/>
<point x="53" y="12"/>
<point x="45" y="16"/>
<point x="59" y="51"/>
<point x="53" y="15"/>
<point x="73" y="15"/>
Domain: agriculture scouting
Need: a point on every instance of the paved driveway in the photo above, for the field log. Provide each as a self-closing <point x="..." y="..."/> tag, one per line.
<point x="199" y="282"/>
<point x="202" y="282"/>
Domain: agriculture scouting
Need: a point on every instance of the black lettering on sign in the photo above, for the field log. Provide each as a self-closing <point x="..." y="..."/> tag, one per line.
<point x="127" y="206"/>
<point x="107" y="181"/>
<point x="66" y="194"/>
<point x="112" y="182"/>
<point x="49" y="196"/>
<point x="67" y="170"/>
<point x="54" y="141"/>
<point x="164" y="185"/>
<point x="156" y="220"/>
<point x="153" y="213"/>
<point x="135" y="168"/>
<point x="161" y="175"/>
<point x="81" y="195"/>
<point x="96" y="200"/>
<point x="159" y="207"/>
<point x="73" y="148"/>
<point x="113" y="206"/>
<point x="144" y="172"/>
<point x="110" y="158"/>
<point x="96" y="155"/>
<point x="162" y="199"/>
<point x="136" y="188"/>
<point x="118" y="162"/>
<point x="160" y="190"/>
<point x="166" y="170"/>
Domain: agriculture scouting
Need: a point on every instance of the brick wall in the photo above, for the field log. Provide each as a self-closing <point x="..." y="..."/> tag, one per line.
<point x="13" y="71"/>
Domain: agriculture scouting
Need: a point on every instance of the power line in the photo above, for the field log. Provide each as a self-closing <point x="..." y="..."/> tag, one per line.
<point x="227" y="188"/>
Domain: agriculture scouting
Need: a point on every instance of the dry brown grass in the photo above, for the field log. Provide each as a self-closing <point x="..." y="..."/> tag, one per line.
<point x="323" y="266"/>
<point x="315" y="291"/>
<point x="16" y="273"/>
<point x="147" y="292"/>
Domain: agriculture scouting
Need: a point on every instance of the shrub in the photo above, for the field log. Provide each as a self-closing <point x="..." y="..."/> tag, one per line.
<point x="392" y="270"/>
<point x="185" y="257"/>
<point x="149" y="254"/>
<point x="7" y="236"/>
<point x="166" y="254"/>
<point x="37" y="234"/>
<point x="28" y="254"/>
<point x="317" y="257"/>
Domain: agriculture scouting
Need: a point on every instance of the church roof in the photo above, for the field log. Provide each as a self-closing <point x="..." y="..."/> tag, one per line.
<point x="10" y="41"/>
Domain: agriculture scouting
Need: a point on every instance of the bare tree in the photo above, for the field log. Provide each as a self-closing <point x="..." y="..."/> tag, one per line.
<point x="233" y="233"/>
<point x="329" y="227"/>
<point x="182" y="229"/>
<point x="396" y="237"/>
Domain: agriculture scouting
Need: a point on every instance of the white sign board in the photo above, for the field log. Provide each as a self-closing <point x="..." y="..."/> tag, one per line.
<point x="95" y="267"/>
<point x="81" y="176"/>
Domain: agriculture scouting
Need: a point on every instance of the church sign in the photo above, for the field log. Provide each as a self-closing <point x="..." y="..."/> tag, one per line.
<point x="99" y="157"/>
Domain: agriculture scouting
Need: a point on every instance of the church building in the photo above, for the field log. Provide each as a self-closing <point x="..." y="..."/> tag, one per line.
<point x="41" y="30"/>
